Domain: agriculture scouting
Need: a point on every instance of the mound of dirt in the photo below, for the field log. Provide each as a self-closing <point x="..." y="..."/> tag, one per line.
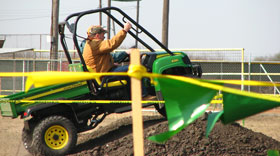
<point x="233" y="139"/>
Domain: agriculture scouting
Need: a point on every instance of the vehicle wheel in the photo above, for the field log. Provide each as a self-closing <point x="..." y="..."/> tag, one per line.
<point x="54" y="135"/>
<point x="26" y="137"/>
<point x="160" y="107"/>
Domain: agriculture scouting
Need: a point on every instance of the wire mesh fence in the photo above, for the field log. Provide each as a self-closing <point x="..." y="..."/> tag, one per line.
<point x="217" y="55"/>
<point x="38" y="61"/>
<point x="216" y="63"/>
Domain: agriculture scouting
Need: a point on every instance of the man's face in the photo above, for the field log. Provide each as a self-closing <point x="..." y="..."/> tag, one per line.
<point x="97" y="36"/>
<point x="101" y="36"/>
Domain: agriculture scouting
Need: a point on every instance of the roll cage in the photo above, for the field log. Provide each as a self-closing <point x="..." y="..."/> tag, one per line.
<point x="73" y="29"/>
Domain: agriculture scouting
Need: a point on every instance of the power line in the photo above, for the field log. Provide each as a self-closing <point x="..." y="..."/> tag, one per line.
<point x="30" y="13"/>
<point x="12" y="19"/>
<point x="27" y="18"/>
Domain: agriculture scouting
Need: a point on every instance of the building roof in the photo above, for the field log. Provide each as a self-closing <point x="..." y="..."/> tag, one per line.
<point x="14" y="50"/>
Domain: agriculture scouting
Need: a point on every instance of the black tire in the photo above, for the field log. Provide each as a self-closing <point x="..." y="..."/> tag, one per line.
<point x="26" y="137"/>
<point x="160" y="110"/>
<point x="54" y="135"/>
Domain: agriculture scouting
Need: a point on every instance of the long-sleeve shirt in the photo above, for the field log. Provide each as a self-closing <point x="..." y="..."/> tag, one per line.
<point x="97" y="52"/>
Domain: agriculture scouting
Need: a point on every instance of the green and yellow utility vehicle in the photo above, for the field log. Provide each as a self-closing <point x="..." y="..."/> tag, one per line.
<point x="52" y="128"/>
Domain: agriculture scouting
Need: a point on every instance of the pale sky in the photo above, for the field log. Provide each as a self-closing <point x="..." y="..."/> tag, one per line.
<point x="250" y="24"/>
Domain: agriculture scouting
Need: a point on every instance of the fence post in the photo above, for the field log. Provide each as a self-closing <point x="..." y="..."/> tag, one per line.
<point x="136" y="95"/>
<point x="242" y="68"/>
<point x="14" y="70"/>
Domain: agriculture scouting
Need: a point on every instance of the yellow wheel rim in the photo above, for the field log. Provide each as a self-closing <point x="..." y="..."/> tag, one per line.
<point x="56" y="137"/>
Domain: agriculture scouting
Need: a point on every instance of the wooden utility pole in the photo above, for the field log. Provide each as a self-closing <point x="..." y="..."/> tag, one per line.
<point x="100" y="14"/>
<point x="109" y="21"/>
<point x="165" y="22"/>
<point x="137" y="20"/>
<point x="54" y="35"/>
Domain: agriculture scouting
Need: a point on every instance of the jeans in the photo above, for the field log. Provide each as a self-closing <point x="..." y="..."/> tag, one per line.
<point x="125" y="69"/>
<point x="119" y="69"/>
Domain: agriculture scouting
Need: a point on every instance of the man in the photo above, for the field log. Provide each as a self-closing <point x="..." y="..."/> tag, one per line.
<point x="97" y="50"/>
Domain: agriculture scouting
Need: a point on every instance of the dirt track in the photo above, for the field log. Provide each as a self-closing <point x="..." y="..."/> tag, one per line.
<point x="120" y="139"/>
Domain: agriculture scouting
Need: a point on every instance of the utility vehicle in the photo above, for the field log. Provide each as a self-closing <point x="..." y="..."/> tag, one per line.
<point x="51" y="128"/>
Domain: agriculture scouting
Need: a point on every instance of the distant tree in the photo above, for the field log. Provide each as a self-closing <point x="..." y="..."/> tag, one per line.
<point x="261" y="58"/>
<point x="275" y="57"/>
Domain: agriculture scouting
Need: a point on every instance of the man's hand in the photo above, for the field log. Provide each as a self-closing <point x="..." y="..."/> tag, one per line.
<point x="128" y="51"/>
<point x="126" y="26"/>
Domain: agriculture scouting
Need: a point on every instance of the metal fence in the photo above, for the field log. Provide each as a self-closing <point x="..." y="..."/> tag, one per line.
<point x="38" y="60"/>
<point x="35" y="41"/>
<point x="216" y="63"/>
<point x="258" y="71"/>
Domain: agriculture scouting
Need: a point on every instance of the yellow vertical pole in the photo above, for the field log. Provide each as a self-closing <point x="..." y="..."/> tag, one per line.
<point x="242" y="76"/>
<point x="138" y="136"/>
<point x="242" y="68"/>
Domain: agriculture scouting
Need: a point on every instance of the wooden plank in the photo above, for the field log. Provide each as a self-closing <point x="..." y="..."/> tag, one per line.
<point x="138" y="136"/>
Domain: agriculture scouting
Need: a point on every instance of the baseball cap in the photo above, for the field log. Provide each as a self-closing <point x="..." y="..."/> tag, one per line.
<point x="96" y="29"/>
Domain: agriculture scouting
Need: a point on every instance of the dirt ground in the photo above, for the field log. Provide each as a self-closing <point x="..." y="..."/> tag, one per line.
<point x="114" y="136"/>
